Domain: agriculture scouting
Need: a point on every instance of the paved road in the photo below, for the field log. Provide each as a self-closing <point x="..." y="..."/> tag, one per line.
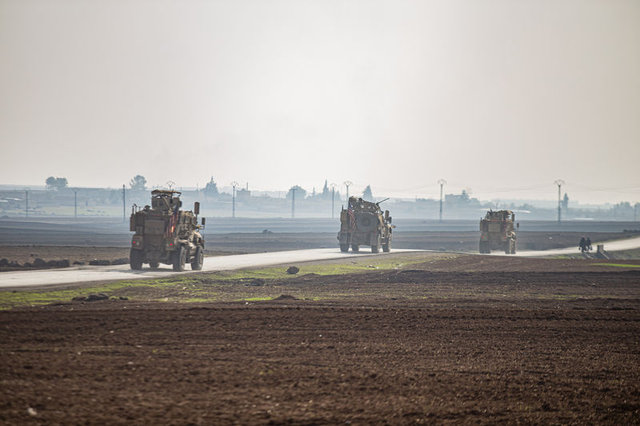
<point x="618" y="245"/>
<point x="82" y="274"/>
<point x="123" y="272"/>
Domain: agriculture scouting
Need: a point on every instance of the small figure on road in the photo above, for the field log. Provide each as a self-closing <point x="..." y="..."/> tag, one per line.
<point x="583" y="245"/>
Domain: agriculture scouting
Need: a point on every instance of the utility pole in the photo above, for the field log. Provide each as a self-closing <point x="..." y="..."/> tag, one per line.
<point x="293" y="202"/>
<point x="333" y="198"/>
<point x="124" y="205"/>
<point x="348" y="183"/>
<point x="26" y="206"/>
<point x="75" y="203"/>
<point x="234" y="184"/>
<point x="559" y="182"/>
<point x="441" y="182"/>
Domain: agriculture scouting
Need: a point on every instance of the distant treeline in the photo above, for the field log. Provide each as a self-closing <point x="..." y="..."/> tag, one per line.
<point x="66" y="201"/>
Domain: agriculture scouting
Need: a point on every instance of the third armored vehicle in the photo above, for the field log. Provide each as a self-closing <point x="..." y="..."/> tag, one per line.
<point x="166" y="234"/>
<point x="363" y="223"/>
<point x="496" y="232"/>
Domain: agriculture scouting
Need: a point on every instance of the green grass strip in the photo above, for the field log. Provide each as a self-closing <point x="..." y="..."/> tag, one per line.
<point x="617" y="265"/>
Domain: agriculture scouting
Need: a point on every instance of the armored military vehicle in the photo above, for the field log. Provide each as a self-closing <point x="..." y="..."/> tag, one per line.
<point x="363" y="223"/>
<point x="166" y="234"/>
<point x="497" y="232"/>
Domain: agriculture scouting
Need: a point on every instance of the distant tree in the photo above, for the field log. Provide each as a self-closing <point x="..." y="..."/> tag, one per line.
<point x="300" y="192"/>
<point x="565" y="202"/>
<point x="56" y="182"/>
<point x="326" y="194"/>
<point x="367" y="195"/>
<point x="211" y="189"/>
<point x="623" y="209"/>
<point x="138" y="183"/>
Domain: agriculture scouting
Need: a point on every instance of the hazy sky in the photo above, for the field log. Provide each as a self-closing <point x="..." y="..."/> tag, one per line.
<point x="499" y="96"/>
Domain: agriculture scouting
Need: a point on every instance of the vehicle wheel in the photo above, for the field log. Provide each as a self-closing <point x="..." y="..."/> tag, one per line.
<point x="344" y="248"/>
<point x="386" y="247"/>
<point x="179" y="259"/>
<point x="198" y="260"/>
<point x="375" y="248"/>
<point x="154" y="265"/>
<point x="135" y="259"/>
<point x="513" y="246"/>
<point x="355" y="247"/>
<point x="484" y="247"/>
<point x="507" y="247"/>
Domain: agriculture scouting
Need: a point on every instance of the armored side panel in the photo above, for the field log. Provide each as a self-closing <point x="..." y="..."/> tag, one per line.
<point x="363" y="223"/>
<point x="165" y="234"/>
<point x="497" y="232"/>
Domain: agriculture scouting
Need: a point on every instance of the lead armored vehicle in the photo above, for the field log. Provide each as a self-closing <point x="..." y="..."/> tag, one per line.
<point x="166" y="234"/>
<point x="497" y="232"/>
<point x="363" y="223"/>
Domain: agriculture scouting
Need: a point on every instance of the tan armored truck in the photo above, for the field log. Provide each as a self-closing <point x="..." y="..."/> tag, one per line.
<point x="363" y="223"/>
<point x="166" y="234"/>
<point x="497" y="232"/>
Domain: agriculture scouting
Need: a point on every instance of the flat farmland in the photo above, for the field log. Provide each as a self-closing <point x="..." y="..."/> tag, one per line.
<point x="424" y="338"/>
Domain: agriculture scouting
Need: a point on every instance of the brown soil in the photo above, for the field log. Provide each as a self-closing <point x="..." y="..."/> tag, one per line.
<point x="84" y="255"/>
<point x="456" y="339"/>
<point x="22" y="254"/>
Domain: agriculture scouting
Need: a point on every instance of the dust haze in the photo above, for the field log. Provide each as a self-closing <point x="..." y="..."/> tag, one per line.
<point x="498" y="97"/>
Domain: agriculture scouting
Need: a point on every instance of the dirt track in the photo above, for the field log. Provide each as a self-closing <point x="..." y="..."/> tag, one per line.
<point x="480" y="340"/>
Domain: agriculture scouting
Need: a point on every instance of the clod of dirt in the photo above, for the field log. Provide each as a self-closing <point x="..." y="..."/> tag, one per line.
<point x="57" y="263"/>
<point x="256" y="282"/>
<point x="4" y="262"/>
<point x="285" y="297"/>
<point x="99" y="262"/>
<point x="293" y="270"/>
<point x="120" y="261"/>
<point x="91" y="298"/>
<point x="77" y="262"/>
<point x="39" y="263"/>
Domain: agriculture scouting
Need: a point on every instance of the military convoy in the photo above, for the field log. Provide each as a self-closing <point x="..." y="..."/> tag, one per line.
<point x="497" y="232"/>
<point x="166" y="234"/>
<point x="363" y="223"/>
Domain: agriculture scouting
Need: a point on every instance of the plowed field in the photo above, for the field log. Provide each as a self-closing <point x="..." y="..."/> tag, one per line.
<point x="484" y="340"/>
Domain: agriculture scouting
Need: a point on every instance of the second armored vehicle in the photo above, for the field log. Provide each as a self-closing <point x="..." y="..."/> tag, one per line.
<point x="166" y="234"/>
<point x="363" y="223"/>
<point x="497" y="232"/>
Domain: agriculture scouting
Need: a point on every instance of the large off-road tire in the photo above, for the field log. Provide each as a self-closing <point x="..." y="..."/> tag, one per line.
<point x="355" y="248"/>
<point x="154" y="265"/>
<point x="179" y="259"/>
<point x="344" y="248"/>
<point x="135" y="259"/>
<point x="484" y="247"/>
<point x="375" y="248"/>
<point x="512" y="246"/>
<point x="198" y="259"/>
<point x="386" y="247"/>
<point x="508" y="246"/>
